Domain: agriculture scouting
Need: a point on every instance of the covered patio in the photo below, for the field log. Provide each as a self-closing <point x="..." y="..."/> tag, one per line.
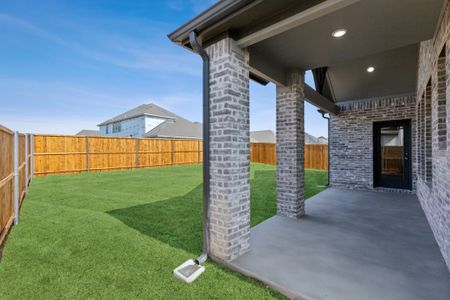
<point x="381" y="72"/>
<point x="351" y="245"/>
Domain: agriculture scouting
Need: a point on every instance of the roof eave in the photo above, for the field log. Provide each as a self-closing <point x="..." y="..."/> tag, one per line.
<point x="137" y="116"/>
<point x="215" y="13"/>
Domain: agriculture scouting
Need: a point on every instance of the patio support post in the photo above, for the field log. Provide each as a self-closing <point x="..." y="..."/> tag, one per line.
<point x="229" y="150"/>
<point x="290" y="147"/>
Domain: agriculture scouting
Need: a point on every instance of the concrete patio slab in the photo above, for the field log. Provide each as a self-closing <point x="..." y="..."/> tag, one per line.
<point x="351" y="245"/>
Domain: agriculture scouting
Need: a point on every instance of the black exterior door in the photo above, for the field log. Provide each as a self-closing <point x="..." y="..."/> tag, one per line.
<point x="392" y="154"/>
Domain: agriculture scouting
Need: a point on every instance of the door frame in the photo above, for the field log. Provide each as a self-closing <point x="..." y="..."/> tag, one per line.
<point x="407" y="153"/>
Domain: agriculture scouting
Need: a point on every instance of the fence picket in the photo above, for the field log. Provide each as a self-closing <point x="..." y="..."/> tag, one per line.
<point x="58" y="154"/>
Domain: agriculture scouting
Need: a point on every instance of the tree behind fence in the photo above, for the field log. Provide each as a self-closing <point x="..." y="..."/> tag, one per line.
<point x="58" y="154"/>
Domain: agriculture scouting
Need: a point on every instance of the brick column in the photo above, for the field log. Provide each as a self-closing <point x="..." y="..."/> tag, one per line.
<point x="290" y="147"/>
<point x="230" y="150"/>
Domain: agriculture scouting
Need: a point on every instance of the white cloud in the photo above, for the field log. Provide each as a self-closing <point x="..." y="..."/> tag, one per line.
<point x="200" y="5"/>
<point x="47" y="125"/>
<point x="29" y="28"/>
<point x="187" y="105"/>
<point x="116" y="50"/>
<point x="195" y="6"/>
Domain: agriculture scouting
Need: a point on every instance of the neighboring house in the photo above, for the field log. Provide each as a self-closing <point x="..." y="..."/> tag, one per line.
<point x="150" y="120"/>
<point x="322" y="140"/>
<point x="262" y="136"/>
<point x="178" y="128"/>
<point x="381" y="70"/>
<point x="309" y="139"/>
<point x="268" y="136"/>
<point x="86" y="132"/>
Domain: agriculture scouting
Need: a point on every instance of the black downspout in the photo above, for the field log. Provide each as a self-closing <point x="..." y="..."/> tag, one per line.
<point x="206" y="174"/>
<point x="323" y="113"/>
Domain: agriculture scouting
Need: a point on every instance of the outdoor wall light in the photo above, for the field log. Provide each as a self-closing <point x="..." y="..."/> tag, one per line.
<point x="370" y="69"/>
<point x="339" y="33"/>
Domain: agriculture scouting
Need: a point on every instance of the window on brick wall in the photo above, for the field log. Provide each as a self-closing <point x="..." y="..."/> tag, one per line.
<point x="442" y="101"/>
<point x="428" y="121"/>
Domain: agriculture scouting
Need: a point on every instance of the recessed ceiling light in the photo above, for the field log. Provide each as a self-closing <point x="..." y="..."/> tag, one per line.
<point x="339" y="33"/>
<point x="370" y="69"/>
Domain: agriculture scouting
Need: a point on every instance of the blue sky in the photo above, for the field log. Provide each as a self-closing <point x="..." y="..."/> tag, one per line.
<point x="69" y="65"/>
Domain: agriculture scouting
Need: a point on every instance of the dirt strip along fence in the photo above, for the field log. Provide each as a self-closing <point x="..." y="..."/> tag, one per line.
<point x="316" y="155"/>
<point x="15" y="175"/>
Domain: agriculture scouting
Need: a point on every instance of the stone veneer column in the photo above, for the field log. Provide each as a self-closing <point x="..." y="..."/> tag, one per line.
<point x="230" y="150"/>
<point x="290" y="147"/>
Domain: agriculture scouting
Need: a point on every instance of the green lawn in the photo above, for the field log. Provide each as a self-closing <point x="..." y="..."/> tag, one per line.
<point x="120" y="235"/>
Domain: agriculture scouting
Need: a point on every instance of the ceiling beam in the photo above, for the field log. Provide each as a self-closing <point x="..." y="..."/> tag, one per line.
<point x="296" y="20"/>
<point x="313" y="97"/>
<point x="263" y="68"/>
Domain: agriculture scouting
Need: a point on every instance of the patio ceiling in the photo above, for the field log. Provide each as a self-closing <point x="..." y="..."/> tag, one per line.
<point x="284" y="35"/>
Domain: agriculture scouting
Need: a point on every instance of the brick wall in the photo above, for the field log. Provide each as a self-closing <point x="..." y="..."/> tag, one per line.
<point x="351" y="138"/>
<point x="434" y="192"/>
<point x="290" y="147"/>
<point x="229" y="215"/>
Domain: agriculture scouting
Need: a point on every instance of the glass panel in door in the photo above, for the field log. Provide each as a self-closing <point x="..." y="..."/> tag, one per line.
<point x="392" y="149"/>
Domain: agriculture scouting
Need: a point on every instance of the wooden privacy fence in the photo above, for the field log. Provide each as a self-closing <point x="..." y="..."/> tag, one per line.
<point x="58" y="154"/>
<point x="64" y="154"/>
<point x="316" y="155"/>
<point x="392" y="159"/>
<point x="265" y="153"/>
<point x="15" y="175"/>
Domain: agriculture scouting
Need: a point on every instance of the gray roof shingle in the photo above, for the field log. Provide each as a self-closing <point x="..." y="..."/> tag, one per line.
<point x="86" y="132"/>
<point x="263" y="136"/>
<point x="150" y="109"/>
<point x="177" y="128"/>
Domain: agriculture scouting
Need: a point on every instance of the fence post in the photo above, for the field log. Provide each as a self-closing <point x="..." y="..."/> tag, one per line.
<point x="87" y="154"/>
<point x="137" y="153"/>
<point x="198" y="151"/>
<point x="173" y="154"/>
<point x="32" y="156"/>
<point x="16" y="177"/>
<point x="26" y="163"/>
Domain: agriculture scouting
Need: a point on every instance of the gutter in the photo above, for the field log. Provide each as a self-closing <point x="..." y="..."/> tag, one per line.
<point x="206" y="155"/>
<point x="215" y="13"/>
<point x="323" y="113"/>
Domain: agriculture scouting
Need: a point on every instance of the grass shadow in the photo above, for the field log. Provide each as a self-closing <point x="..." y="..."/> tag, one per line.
<point x="178" y="221"/>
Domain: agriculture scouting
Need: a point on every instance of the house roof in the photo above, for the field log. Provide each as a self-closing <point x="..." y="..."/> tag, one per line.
<point x="177" y="128"/>
<point x="322" y="140"/>
<point x="87" y="132"/>
<point x="268" y="136"/>
<point x="309" y="139"/>
<point x="284" y="35"/>
<point x="263" y="136"/>
<point x="150" y="109"/>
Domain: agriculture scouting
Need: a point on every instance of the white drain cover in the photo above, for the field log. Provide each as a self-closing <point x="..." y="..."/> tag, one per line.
<point x="188" y="271"/>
